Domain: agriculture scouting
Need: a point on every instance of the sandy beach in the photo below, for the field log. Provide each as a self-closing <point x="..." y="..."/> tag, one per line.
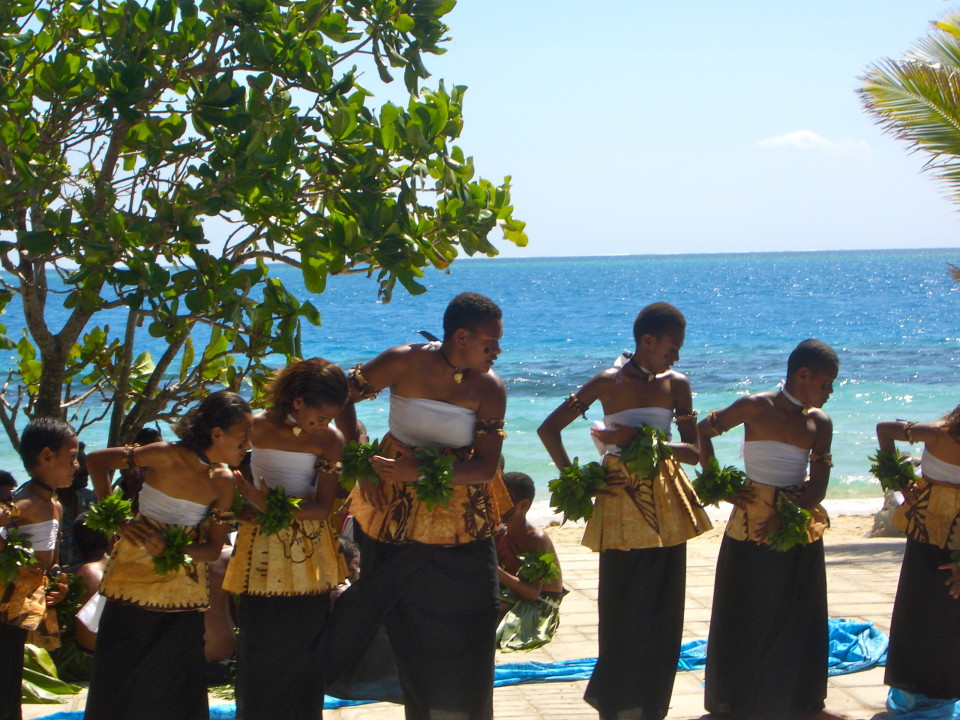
<point x="862" y="579"/>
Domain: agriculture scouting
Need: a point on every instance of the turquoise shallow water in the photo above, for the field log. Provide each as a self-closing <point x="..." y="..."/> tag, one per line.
<point x="891" y="315"/>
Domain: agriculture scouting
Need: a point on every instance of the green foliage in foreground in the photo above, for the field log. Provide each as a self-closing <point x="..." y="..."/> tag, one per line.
<point x="435" y="484"/>
<point x="279" y="512"/>
<point x="159" y="160"/>
<point x="895" y="471"/>
<point x="714" y="483"/>
<point x="572" y="493"/>
<point x="356" y="465"/>
<point x="16" y="554"/>
<point x="538" y="566"/>
<point x="645" y="452"/>
<point x="174" y="555"/>
<point x="793" y="527"/>
<point x="109" y="514"/>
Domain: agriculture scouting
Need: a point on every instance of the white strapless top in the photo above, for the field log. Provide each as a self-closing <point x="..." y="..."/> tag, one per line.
<point x="939" y="470"/>
<point x="417" y="422"/>
<point x="161" y="507"/>
<point x="41" y="535"/>
<point x="770" y="462"/>
<point x="296" y="472"/>
<point x="657" y="417"/>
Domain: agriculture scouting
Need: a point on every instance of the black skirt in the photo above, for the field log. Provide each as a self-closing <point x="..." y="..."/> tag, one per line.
<point x="148" y="665"/>
<point x="12" y="640"/>
<point x="277" y="650"/>
<point x="439" y="607"/>
<point x="640" y="606"/>
<point x="924" y="652"/>
<point x="768" y="645"/>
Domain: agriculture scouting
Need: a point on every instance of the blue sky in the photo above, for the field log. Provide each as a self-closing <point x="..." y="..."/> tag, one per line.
<point x="636" y="127"/>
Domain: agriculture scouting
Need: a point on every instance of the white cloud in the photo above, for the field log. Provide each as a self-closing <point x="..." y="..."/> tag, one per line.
<point x="809" y="140"/>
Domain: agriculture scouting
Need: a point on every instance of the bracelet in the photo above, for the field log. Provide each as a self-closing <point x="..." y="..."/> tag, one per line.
<point x="330" y="467"/>
<point x="364" y="388"/>
<point x="489" y="426"/>
<point x="687" y="415"/>
<point x="908" y="431"/>
<point x="129" y="456"/>
<point x="822" y="457"/>
<point x="715" y="422"/>
<point x="223" y="517"/>
<point x="577" y="404"/>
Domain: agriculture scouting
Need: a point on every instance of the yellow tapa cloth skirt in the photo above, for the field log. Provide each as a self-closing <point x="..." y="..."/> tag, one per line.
<point x="23" y="603"/>
<point x="304" y="559"/>
<point x="648" y="512"/>
<point x="935" y="517"/>
<point x="743" y="522"/>
<point x="129" y="578"/>
<point x="473" y="512"/>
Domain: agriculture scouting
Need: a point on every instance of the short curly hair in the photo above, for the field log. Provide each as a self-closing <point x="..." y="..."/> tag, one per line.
<point x="41" y="433"/>
<point x="469" y="311"/>
<point x="658" y="319"/>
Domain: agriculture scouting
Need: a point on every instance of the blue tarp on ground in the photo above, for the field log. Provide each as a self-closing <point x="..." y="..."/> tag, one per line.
<point x="854" y="646"/>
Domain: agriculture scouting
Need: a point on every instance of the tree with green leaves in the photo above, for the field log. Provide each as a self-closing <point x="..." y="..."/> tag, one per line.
<point x="156" y="159"/>
<point x="917" y="99"/>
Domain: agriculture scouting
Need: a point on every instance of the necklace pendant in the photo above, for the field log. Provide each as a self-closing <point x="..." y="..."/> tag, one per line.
<point x="296" y="430"/>
<point x="458" y="377"/>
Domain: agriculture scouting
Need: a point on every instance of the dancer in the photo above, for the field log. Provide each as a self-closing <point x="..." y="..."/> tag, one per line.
<point x="640" y="525"/>
<point x="149" y="662"/>
<point x="284" y="579"/>
<point x="924" y="654"/>
<point x="767" y="646"/>
<point x="431" y="574"/>
<point x="49" y="448"/>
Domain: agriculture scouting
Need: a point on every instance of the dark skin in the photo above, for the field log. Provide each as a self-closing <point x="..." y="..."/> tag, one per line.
<point x="420" y="371"/>
<point x="177" y="471"/>
<point x="37" y="504"/>
<point x="518" y="537"/>
<point x="626" y="388"/>
<point x="317" y="437"/>
<point x="771" y="416"/>
<point x="940" y="442"/>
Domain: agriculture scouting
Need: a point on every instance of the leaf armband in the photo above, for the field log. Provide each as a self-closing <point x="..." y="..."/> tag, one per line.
<point x="714" y="483"/>
<point x="109" y="515"/>
<point x="572" y="493"/>
<point x="793" y="527"/>
<point x="174" y="555"/>
<point x="279" y="513"/>
<point x="16" y="554"/>
<point x="538" y="566"/>
<point x="435" y="484"/>
<point x="355" y="463"/>
<point x="895" y="471"/>
<point x="645" y="452"/>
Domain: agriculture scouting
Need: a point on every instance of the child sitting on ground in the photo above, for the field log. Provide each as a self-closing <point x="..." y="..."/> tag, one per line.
<point x="48" y="447"/>
<point x="531" y="584"/>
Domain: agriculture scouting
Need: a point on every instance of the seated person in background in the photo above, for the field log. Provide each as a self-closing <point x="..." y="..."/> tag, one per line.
<point x="131" y="479"/>
<point x="7" y="485"/>
<point x="531" y="585"/>
<point x="75" y="500"/>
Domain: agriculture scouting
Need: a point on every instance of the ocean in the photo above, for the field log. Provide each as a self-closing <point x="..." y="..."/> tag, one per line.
<point x="891" y="316"/>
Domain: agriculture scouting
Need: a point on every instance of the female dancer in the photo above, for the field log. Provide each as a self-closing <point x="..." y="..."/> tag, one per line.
<point x="924" y="654"/>
<point x="641" y="525"/>
<point x="149" y="663"/>
<point x="284" y="579"/>
<point x="430" y="575"/>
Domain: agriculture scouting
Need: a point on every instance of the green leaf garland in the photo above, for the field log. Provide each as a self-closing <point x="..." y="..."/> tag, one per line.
<point x="538" y="566"/>
<point x="109" y="515"/>
<point x="16" y="554"/>
<point x="793" y="527"/>
<point x="895" y="470"/>
<point x="435" y="484"/>
<point x="645" y="452"/>
<point x="174" y="555"/>
<point x="714" y="483"/>
<point x="279" y="513"/>
<point x="356" y="464"/>
<point x="572" y="493"/>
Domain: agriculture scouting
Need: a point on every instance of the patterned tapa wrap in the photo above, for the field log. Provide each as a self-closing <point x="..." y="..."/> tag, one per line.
<point x="766" y="498"/>
<point x="303" y="559"/>
<point x="473" y="512"/>
<point x="662" y="511"/>
<point x="23" y="603"/>
<point x="130" y="579"/>
<point x="935" y="517"/>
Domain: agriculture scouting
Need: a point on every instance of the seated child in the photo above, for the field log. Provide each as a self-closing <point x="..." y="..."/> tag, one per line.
<point x="48" y="447"/>
<point x="529" y="600"/>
